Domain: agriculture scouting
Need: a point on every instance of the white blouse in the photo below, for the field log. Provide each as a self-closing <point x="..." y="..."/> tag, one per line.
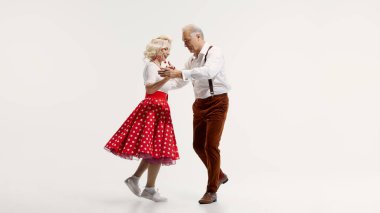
<point x="151" y="76"/>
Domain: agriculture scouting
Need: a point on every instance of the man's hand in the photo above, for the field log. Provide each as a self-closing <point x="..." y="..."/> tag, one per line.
<point x="170" y="73"/>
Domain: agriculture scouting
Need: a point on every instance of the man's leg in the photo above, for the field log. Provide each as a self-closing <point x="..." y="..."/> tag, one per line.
<point x="200" y="147"/>
<point x="214" y="133"/>
<point x="199" y="138"/>
<point x="199" y="133"/>
<point x="215" y="124"/>
<point x="211" y="123"/>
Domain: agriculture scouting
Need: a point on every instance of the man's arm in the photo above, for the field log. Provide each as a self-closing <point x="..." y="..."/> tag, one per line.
<point x="170" y="73"/>
<point x="210" y="69"/>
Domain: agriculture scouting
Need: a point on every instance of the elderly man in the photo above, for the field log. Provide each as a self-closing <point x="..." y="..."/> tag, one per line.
<point x="207" y="72"/>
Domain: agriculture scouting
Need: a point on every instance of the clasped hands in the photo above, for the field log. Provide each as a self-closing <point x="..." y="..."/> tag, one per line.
<point x="170" y="72"/>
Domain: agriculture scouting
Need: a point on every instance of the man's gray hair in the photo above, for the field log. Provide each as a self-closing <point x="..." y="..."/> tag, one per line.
<point x="193" y="29"/>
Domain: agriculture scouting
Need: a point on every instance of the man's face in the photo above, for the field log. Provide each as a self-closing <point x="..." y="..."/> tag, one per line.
<point x="189" y="41"/>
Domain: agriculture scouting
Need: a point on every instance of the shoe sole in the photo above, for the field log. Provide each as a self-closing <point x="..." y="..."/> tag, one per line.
<point x="146" y="197"/>
<point x="157" y="201"/>
<point x="151" y="198"/>
<point x="225" y="181"/>
<point x="201" y="202"/>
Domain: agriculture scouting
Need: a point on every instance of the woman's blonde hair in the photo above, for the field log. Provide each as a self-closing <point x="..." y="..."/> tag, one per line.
<point x="153" y="48"/>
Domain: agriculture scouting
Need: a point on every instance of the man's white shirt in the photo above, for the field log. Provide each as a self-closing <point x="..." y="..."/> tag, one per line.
<point x="199" y="72"/>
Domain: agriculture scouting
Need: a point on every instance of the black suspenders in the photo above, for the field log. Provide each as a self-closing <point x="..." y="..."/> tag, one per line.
<point x="210" y="80"/>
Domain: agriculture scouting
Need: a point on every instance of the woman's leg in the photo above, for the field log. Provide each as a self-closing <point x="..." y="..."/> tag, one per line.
<point x="153" y="169"/>
<point x="133" y="181"/>
<point x="150" y="191"/>
<point x="141" y="169"/>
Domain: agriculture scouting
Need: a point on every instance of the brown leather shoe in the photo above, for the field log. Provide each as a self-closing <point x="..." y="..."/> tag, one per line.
<point x="208" y="198"/>
<point x="222" y="180"/>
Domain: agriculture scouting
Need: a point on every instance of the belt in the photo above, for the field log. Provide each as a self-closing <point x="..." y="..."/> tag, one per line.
<point x="213" y="96"/>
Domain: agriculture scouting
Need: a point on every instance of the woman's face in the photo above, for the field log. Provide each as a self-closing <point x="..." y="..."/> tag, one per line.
<point x="165" y="52"/>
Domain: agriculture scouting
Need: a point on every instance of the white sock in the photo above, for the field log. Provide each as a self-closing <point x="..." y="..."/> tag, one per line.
<point x="150" y="189"/>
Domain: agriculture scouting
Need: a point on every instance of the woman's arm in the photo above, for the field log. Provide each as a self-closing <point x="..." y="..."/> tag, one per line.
<point x="152" y="88"/>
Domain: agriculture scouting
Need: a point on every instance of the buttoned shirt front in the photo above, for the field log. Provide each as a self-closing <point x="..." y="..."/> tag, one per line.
<point x="199" y="72"/>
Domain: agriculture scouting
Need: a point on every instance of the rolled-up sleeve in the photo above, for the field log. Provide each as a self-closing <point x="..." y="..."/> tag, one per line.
<point x="177" y="83"/>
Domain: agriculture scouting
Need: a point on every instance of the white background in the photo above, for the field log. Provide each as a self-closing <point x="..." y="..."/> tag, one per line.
<point x="302" y="133"/>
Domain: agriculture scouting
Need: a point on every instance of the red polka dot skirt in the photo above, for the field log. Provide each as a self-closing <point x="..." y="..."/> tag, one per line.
<point x="147" y="133"/>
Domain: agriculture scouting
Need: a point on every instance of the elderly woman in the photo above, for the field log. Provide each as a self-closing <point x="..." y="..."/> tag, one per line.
<point x="148" y="133"/>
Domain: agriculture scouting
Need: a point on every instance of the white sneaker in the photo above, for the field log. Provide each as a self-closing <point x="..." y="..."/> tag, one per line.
<point x="133" y="185"/>
<point x="153" y="195"/>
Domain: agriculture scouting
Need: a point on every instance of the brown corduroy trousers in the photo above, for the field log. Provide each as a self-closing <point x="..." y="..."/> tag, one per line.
<point x="208" y="122"/>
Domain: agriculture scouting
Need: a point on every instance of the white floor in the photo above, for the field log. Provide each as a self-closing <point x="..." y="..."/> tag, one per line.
<point x="43" y="173"/>
<point x="76" y="188"/>
<point x="53" y="167"/>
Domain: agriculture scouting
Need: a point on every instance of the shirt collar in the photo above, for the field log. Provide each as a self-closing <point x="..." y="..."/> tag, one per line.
<point x="203" y="50"/>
